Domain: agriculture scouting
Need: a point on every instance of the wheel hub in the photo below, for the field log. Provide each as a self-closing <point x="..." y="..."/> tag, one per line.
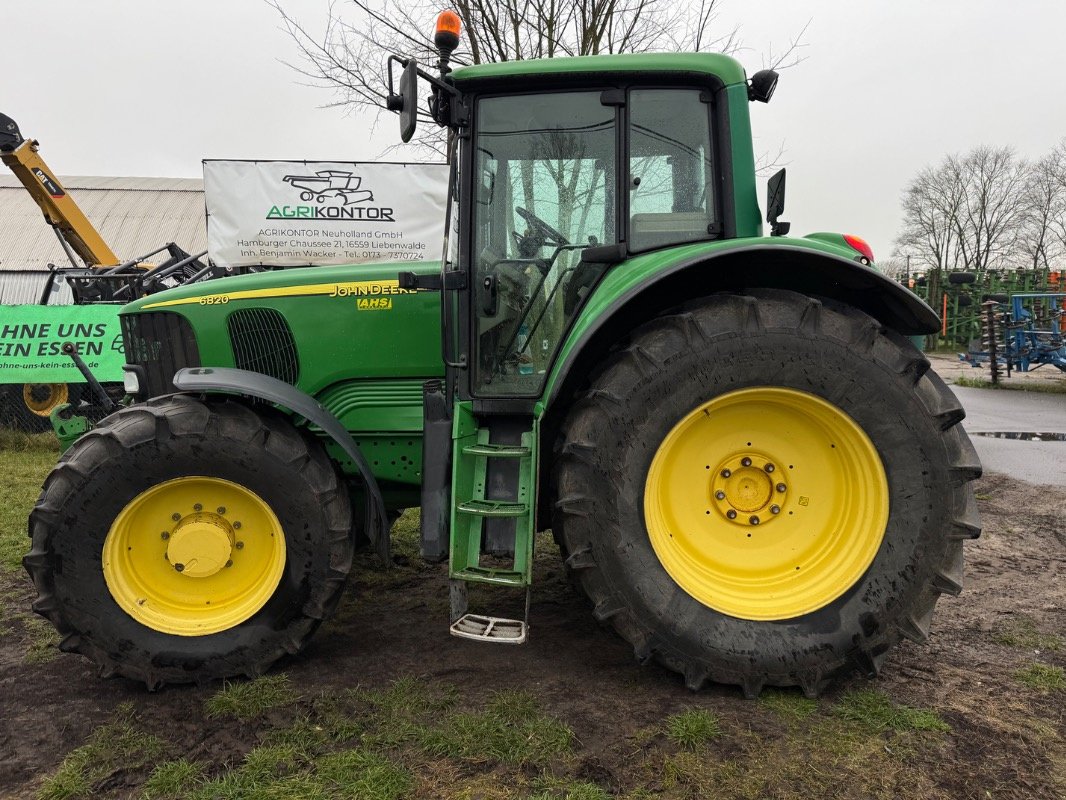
<point x="746" y="485"/>
<point x="201" y="545"/>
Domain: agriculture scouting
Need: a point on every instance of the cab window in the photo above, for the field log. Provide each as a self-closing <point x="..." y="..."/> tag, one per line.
<point x="671" y="169"/>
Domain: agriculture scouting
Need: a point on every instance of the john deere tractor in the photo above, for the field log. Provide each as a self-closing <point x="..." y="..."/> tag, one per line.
<point x="748" y="467"/>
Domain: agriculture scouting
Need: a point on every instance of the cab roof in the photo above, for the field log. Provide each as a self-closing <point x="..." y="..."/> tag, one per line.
<point x="725" y="68"/>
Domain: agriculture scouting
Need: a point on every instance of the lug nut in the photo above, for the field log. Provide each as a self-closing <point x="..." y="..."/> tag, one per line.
<point x="769" y="468"/>
<point x="175" y="516"/>
<point x="237" y="526"/>
<point x="239" y="545"/>
<point x="753" y="520"/>
<point x="726" y="473"/>
<point x="775" y="509"/>
<point x="221" y="509"/>
<point x="719" y="495"/>
<point x="731" y="514"/>
<point x="179" y="567"/>
<point x="781" y="487"/>
<point x="198" y="507"/>
<point x="229" y="563"/>
<point x="745" y="462"/>
<point x="164" y="535"/>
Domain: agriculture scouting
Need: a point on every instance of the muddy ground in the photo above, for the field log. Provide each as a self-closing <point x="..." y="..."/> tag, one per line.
<point x="1006" y="739"/>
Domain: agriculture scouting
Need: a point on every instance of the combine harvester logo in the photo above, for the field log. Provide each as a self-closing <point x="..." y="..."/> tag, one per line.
<point x="330" y="184"/>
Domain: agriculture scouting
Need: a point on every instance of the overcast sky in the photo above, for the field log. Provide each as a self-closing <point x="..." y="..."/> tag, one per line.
<point x="139" y="87"/>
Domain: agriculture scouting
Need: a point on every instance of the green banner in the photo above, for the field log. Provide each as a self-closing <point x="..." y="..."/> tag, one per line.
<point x="31" y="338"/>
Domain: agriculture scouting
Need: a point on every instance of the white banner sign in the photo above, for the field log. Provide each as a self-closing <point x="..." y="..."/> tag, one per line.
<point x="299" y="213"/>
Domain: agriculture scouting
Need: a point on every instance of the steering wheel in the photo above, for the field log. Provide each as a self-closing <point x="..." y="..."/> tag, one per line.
<point x="546" y="232"/>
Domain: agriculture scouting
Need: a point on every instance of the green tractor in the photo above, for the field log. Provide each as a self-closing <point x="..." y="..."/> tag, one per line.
<point x="748" y="467"/>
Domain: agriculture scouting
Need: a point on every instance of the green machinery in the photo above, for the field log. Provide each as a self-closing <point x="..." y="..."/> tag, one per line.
<point x="747" y="466"/>
<point x="959" y="295"/>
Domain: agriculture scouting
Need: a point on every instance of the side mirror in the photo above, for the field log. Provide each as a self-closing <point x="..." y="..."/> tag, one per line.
<point x="775" y="203"/>
<point x="406" y="102"/>
<point x="409" y="98"/>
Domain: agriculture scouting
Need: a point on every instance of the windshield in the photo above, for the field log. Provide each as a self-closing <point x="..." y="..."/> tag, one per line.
<point x="545" y="190"/>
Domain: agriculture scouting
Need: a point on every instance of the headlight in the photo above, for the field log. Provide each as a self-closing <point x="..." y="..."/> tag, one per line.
<point x="130" y="381"/>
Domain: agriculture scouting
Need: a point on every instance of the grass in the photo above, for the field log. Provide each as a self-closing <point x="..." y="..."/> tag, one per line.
<point x="248" y="699"/>
<point x="1042" y="677"/>
<point x="791" y="705"/>
<point x="693" y="728"/>
<point x="24" y="470"/>
<point x="115" y="746"/>
<point x="874" y="711"/>
<point x="865" y="746"/>
<point x="397" y="714"/>
<point x="1026" y="386"/>
<point x="572" y="791"/>
<point x="358" y="743"/>
<point x="43" y="640"/>
<point x="20" y="441"/>
<point x="172" y="779"/>
<point x="1021" y="631"/>
<point x="511" y="730"/>
<point x="277" y="771"/>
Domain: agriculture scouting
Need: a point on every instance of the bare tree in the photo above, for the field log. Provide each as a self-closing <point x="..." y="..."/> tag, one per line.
<point x="931" y="205"/>
<point x="994" y="206"/>
<point x="349" y="56"/>
<point x="1043" y="239"/>
<point x="969" y="211"/>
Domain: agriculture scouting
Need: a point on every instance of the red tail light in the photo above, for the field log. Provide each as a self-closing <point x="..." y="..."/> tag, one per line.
<point x="860" y="246"/>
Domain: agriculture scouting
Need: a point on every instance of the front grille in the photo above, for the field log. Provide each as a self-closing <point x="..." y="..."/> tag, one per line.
<point x="262" y="342"/>
<point x="161" y="342"/>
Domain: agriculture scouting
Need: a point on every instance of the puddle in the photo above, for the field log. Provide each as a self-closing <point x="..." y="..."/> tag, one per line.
<point x="1022" y="436"/>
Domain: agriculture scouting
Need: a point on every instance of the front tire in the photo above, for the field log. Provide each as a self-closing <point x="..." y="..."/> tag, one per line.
<point x="765" y="490"/>
<point x="183" y="540"/>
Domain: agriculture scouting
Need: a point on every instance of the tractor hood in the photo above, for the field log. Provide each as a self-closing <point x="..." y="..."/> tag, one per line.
<point x="312" y="326"/>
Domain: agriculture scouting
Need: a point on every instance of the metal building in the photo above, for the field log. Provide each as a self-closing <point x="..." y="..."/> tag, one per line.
<point x="134" y="216"/>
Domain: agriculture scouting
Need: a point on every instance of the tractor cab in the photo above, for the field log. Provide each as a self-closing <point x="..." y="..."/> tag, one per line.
<point x="562" y="169"/>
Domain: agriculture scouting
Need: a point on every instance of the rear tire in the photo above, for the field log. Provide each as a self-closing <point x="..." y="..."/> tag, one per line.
<point x="131" y="467"/>
<point x="770" y="343"/>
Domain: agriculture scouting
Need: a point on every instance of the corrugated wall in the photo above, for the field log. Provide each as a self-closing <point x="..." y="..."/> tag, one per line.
<point x="134" y="215"/>
<point x="25" y="287"/>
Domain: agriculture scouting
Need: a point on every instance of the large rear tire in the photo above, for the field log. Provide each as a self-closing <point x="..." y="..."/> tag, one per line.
<point x="766" y="490"/>
<point x="183" y="540"/>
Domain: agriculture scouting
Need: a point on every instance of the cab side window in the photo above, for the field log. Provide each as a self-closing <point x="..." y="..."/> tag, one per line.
<point x="671" y="169"/>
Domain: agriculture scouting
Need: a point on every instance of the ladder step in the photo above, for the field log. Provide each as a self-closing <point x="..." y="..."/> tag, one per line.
<point x="493" y="508"/>
<point x="496" y="450"/>
<point x="500" y="577"/>
<point x="496" y="630"/>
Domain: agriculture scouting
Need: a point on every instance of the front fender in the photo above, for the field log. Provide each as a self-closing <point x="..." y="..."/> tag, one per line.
<point x="244" y="383"/>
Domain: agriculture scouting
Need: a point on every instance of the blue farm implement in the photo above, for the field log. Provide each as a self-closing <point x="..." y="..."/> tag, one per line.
<point x="1023" y="334"/>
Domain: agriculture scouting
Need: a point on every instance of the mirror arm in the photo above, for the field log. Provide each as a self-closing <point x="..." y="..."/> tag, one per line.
<point x="432" y="79"/>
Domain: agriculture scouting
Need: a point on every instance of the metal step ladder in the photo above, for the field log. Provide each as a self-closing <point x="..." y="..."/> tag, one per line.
<point x="472" y="460"/>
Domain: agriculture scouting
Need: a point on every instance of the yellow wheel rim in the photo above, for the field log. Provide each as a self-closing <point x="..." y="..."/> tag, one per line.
<point x="766" y="503"/>
<point x="43" y="398"/>
<point x="194" y="556"/>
